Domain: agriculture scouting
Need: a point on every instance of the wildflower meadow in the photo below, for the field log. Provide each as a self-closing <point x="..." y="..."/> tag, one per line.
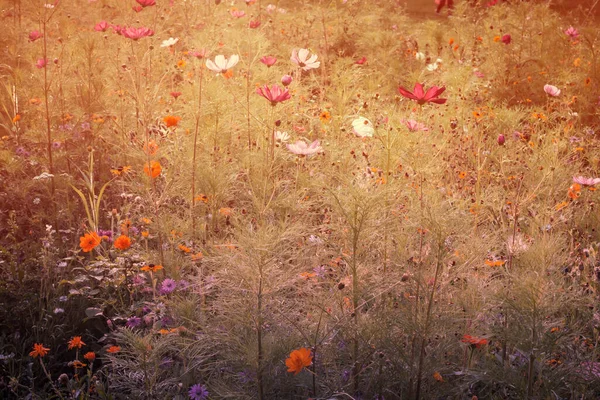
<point x="299" y="199"/>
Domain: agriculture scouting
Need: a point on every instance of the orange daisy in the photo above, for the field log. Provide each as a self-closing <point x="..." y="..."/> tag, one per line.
<point x="76" y="342"/>
<point x="39" y="350"/>
<point x="89" y="241"/>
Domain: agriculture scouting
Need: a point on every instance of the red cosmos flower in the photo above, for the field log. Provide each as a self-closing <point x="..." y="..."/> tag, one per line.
<point x="146" y="3"/>
<point x="136" y="33"/>
<point x="254" y="24"/>
<point x="361" y="61"/>
<point x="275" y="94"/>
<point x="101" y="26"/>
<point x="421" y="97"/>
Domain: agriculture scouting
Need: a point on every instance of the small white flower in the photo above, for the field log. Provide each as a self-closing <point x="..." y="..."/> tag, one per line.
<point x="58" y="310"/>
<point x="169" y="42"/>
<point x="282" y="136"/>
<point x="36" y="200"/>
<point x="222" y="64"/>
<point x="363" y="127"/>
<point x="301" y="58"/>
<point x="43" y="176"/>
<point x="420" y="56"/>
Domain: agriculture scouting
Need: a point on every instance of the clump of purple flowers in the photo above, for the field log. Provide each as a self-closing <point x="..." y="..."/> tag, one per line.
<point x="198" y="392"/>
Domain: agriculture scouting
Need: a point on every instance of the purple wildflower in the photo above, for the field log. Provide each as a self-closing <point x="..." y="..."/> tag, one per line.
<point x="168" y="286"/>
<point x="198" y="392"/>
<point x="133" y="322"/>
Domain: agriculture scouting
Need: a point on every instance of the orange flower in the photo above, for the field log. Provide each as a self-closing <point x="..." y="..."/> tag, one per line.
<point x="78" y="364"/>
<point x="16" y="119"/>
<point x="152" y="169"/>
<point x="451" y="41"/>
<point x="184" y="248"/>
<point x="151" y="268"/>
<point x="171" y="120"/>
<point x="145" y="234"/>
<point x="225" y="211"/>
<point x="39" y="350"/>
<point x="325" y="117"/>
<point x="574" y="191"/>
<point x="122" y="242"/>
<point x="298" y="359"/>
<point x="120" y="171"/>
<point x="76" y="342"/>
<point x="151" y="148"/>
<point x="89" y="241"/>
<point x="438" y="377"/>
<point x="494" y="263"/>
<point x="474" y="341"/>
<point x="90" y="356"/>
<point x="114" y="349"/>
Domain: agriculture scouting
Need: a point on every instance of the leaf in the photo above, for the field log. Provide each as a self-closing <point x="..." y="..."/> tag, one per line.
<point x="92" y="312"/>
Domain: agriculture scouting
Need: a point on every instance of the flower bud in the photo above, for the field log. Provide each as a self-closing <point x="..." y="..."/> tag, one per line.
<point x="501" y="139"/>
<point x="286" y="80"/>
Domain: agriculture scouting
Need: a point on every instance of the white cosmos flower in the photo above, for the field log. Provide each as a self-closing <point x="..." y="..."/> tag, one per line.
<point x="301" y="58"/>
<point x="169" y="42"/>
<point x="222" y="64"/>
<point x="420" y="56"/>
<point x="282" y="136"/>
<point x="363" y="127"/>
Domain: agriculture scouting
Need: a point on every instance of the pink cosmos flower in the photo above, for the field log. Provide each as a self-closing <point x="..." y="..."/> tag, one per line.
<point x="414" y="126"/>
<point x="275" y="94"/>
<point x="572" y="32"/>
<point x="35" y="35"/>
<point x="254" y="24"/>
<point x="199" y="53"/>
<point x="421" y="97"/>
<point x="361" y="61"/>
<point x="137" y="33"/>
<point x="101" y="26"/>
<point x="146" y="3"/>
<point x="301" y="58"/>
<point x="552" y="90"/>
<point x="137" y="8"/>
<point x="118" y="29"/>
<point x="175" y="95"/>
<point x="41" y="63"/>
<point x="505" y="39"/>
<point x="237" y="13"/>
<point x="583" y="181"/>
<point x="302" y="148"/>
<point x="268" y="60"/>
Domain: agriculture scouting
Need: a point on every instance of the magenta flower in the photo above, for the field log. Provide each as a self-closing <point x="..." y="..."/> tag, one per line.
<point x="275" y="94"/>
<point x="137" y="33"/>
<point x="361" y="61"/>
<point x="101" y="26"/>
<point x="269" y="61"/>
<point x="35" y="35"/>
<point x="302" y="148"/>
<point x="505" y="39"/>
<point x="501" y="139"/>
<point x="572" y="33"/>
<point x="551" y="90"/>
<point x="146" y="3"/>
<point x="413" y="125"/>
<point x="41" y="63"/>
<point x="583" y="181"/>
<point x="421" y="97"/>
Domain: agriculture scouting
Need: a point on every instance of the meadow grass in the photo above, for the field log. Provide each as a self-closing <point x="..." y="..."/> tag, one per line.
<point x="180" y="217"/>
